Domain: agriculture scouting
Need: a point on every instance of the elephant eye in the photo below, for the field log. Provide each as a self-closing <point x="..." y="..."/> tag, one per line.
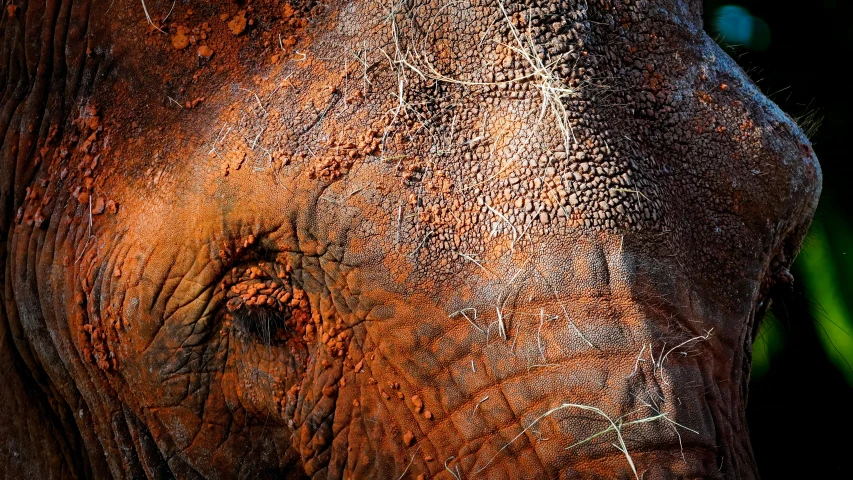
<point x="262" y="304"/>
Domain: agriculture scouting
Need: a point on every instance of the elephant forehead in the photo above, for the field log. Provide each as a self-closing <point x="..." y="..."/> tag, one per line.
<point x="458" y="134"/>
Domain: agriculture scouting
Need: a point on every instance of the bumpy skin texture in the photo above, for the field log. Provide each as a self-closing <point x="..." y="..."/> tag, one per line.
<point x="384" y="239"/>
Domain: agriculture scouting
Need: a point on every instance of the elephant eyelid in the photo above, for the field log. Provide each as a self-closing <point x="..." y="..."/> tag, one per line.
<point x="261" y="299"/>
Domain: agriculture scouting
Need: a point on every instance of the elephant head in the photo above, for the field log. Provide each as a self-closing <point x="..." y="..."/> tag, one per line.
<point x="385" y="239"/>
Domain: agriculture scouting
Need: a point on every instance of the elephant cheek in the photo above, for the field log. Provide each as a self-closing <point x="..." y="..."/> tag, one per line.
<point x="258" y="386"/>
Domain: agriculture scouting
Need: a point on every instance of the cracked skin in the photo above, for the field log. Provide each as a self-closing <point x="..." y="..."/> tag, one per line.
<point x="376" y="239"/>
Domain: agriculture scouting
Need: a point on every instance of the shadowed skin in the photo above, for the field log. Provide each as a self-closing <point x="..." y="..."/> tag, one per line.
<point x="384" y="240"/>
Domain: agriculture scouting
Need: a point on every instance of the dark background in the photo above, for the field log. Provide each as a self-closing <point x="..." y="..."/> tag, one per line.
<point x="801" y="391"/>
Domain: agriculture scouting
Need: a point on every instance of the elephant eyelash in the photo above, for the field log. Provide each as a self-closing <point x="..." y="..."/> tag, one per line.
<point x="264" y="324"/>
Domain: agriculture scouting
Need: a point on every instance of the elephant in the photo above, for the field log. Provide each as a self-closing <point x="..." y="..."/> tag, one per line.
<point x="385" y="239"/>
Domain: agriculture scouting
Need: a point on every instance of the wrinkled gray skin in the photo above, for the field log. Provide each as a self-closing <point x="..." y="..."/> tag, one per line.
<point x="394" y="240"/>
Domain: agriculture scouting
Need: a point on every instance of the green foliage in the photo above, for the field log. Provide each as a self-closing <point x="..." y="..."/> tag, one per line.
<point x="825" y="267"/>
<point x="769" y="343"/>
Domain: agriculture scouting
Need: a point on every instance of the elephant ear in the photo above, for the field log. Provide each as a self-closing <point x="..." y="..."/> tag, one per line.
<point x="37" y="442"/>
<point x="38" y="428"/>
<point x="35" y="436"/>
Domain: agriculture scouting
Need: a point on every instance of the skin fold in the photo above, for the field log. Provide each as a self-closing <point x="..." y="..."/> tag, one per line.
<point x="386" y="239"/>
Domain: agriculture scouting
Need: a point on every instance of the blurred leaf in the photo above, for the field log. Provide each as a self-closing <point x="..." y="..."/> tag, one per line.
<point x="768" y="344"/>
<point x="825" y="268"/>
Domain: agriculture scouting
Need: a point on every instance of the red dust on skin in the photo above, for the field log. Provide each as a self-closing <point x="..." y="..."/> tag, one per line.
<point x="356" y="242"/>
